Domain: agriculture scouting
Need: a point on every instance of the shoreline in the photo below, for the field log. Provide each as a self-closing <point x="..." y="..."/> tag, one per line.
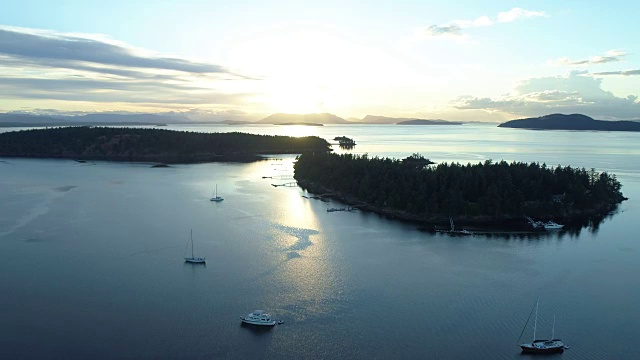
<point x="510" y="223"/>
<point x="177" y="159"/>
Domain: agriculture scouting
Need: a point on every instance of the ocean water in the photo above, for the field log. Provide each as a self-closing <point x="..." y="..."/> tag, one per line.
<point x="91" y="259"/>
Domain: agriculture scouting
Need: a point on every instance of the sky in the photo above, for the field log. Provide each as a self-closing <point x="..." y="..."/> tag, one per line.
<point x="243" y="60"/>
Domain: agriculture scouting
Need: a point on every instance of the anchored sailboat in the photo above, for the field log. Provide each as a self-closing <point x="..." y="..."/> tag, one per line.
<point x="193" y="259"/>
<point x="453" y="229"/>
<point x="215" y="197"/>
<point x="542" y="346"/>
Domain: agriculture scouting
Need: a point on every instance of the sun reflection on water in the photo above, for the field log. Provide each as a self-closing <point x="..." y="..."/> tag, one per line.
<point x="298" y="130"/>
<point x="311" y="280"/>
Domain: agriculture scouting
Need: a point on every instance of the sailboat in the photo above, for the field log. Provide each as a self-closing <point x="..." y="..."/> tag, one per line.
<point x="542" y="346"/>
<point x="215" y="197"/>
<point x="193" y="259"/>
<point x="454" y="231"/>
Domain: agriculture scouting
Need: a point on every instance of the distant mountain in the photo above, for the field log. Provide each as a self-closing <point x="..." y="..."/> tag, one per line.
<point x="428" y="122"/>
<point x="376" y="119"/>
<point x="9" y="119"/>
<point x="18" y="120"/>
<point x="324" y="118"/>
<point x="571" y="122"/>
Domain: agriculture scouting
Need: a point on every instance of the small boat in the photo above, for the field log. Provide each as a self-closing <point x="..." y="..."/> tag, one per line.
<point x="215" y="197"/>
<point x="193" y="259"/>
<point x="454" y="231"/>
<point x="539" y="225"/>
<point x="542" y="346"/>
<point x="258" y="317"/>
<point x="550" y="225"/>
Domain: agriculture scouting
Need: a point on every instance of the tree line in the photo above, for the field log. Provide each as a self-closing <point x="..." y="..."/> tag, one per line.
<point x="489" y="189"/>
<point x="137" y="143"/>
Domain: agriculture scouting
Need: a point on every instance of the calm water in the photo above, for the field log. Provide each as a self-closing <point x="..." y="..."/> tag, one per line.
<point x="91" y="260"/>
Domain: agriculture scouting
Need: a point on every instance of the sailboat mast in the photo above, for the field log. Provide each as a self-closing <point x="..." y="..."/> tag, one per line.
<point x="553" y="329"/>
<point x="192" y="243"/>
<point x="535" y="322"/>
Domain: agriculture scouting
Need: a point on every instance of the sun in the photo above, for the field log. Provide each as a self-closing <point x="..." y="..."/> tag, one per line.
<point x="295" y="98"/>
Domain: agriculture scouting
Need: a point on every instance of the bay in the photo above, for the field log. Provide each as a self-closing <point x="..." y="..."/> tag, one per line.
<point x="91" y="259"/>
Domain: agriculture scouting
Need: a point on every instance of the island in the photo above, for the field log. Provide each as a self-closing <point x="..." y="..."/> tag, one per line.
<point x="483" y="194"/>
<point x="571" y="122"/>
<point x="150" y="145"/>
<point x="235" y="122"/>
<point x="298" y="123"/>
<point x="99" y="119"/>
<point x="377" y="119"/>
<point x="428" y="122"/>
<point x="299" y="119"/>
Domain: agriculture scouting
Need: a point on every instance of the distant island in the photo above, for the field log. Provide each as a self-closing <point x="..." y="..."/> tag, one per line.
<point x="281" y="118"/>
<point x="481" y="194"/>
<point x="298" y="123"/>
<point x="571" y="122"/>
<point x="150" y="145"/>
<point x="235" y="122"/>
<point x="377" y="119"/>
<point x="30" y="120"/>
<point x="428" y="122"/>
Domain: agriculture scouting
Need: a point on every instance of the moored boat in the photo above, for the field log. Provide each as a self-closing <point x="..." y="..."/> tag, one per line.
<point x="542" y="346"/>
<point x="215" y="197"/>
<point x="258" y="317"/>
<point x="194" y="259"/>
<point x="550" y="225"/>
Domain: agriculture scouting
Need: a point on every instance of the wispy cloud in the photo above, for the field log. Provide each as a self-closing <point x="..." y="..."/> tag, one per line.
<point x="619" y="73"/>
<point x="608" y="57"/>
<point x="444" y="30"/>
<point x="454" y="27"/>
<point x="517" y="14"/>
<point x="578" y="92"/>
<point x="45" y="45"/>
<point x="49" y="65"/>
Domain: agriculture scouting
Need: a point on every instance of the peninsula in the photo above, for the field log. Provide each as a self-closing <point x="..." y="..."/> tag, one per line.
<point x="486" y="193"/>
<point x="150" y="145"/>
<point x="571" y="122"/>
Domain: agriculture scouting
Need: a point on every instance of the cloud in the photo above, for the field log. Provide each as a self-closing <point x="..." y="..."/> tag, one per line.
<point x="481" y="21"/>
<point x="518" y="13"/>
<point x="454" y="27"/>
<point x="608" y="57"/>
<point x="451" y="30"/>
<point x="619" y="73"/>
<point x="42" y="64"/>
<point x="36" y="44"/>
<point x="577" y="92"/>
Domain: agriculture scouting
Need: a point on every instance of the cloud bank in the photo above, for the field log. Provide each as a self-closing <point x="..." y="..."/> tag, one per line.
<point x="578" y="92"/>
<point x="454" y="27"/>
<point x="41" y="64"/>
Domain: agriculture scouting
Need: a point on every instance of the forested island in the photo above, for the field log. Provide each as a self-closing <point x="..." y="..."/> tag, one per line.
<point x="486" y="193"/>
<point x="571" y="122"/>
<point x="150" y="145"/>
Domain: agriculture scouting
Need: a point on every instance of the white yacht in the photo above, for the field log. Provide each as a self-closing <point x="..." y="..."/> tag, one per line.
<point x="258" y="317"/>
<point x="550" y="225"/>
